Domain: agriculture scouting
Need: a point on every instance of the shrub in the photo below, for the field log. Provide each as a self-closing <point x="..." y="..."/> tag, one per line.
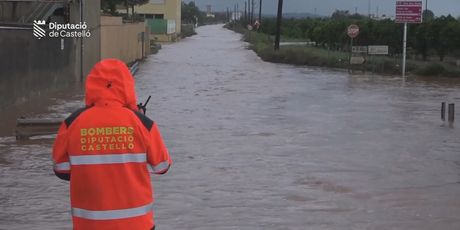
<point x="431" y="70"/>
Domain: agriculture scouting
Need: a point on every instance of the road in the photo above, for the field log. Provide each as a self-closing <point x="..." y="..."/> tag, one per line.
<point x="266" y="146"/>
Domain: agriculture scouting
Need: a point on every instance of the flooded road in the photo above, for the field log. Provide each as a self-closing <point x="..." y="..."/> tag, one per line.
<point x="265" y="146"/>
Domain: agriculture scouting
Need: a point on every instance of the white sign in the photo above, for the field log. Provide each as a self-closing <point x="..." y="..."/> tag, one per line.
<point x="357" y="60"/>
<point x="378" y="50"/>
<point x="359" y="49"/>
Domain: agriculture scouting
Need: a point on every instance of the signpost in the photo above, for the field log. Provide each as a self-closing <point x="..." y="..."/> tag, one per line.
<point x="353" y="32"/>
<point x="358" y="60"/>
<point x="408" y="11"/>
<point x="359" y="49"/>
<point x="378" y="50"/>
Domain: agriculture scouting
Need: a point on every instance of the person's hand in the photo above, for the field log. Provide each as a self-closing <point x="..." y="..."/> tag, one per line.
<point x="141" y="108"/>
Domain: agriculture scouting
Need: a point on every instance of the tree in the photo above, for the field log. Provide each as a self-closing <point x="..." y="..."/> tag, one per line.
<point x="132" y="3"/>
<point x="427" y="15"/>
<point x="110" y="6"/>
<point x="386" y="32"/>
<point x="442" y="34"/>
<point x="340" y="14"/>
<point x="439" y="34"/>
<point x="448" y="38"/>
<point x="190" y="13"/>
<point x="423" y="39"/>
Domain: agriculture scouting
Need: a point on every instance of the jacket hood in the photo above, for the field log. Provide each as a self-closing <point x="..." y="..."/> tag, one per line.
<point x="110" y="83"/>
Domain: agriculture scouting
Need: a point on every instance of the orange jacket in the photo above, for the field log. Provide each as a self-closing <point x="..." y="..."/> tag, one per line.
<point x="106" y="151"/>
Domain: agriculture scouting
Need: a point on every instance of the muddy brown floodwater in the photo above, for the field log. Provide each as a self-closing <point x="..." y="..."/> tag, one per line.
<point x="266" y="146"/>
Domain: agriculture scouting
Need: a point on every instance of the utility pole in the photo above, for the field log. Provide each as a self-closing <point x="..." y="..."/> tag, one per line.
<point x="249" y="13"/>
<point x="252" y="13"/>
<point x="248" y="16"/>
<point x="404" y="52"/>
<point x="228" y="15"/>
<point x="237" y="11"/>
<point x="260" y="12"/>
<point x="278" y="24"/>
<point x="369" y="8"/>
<point x="245" y="13"/>
<point x="425" y="14"/>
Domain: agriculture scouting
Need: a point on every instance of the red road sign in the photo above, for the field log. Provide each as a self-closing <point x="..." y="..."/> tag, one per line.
<point x="353" y="31"/>
<point x="408" y="11"/>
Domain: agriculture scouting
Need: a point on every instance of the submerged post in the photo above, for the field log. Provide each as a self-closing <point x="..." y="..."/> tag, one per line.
<point x="404" y="51"/>
<point x="443" y="111"/>
<point x="451" y="113"/>
<point x="260" y="12"/>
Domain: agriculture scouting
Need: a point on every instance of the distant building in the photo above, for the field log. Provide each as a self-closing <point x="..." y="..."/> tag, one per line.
<point x="163" y="17"/>
<point x="384" y="17"/>
<point x="209" y="13"/>
<point x="236" y="16"/>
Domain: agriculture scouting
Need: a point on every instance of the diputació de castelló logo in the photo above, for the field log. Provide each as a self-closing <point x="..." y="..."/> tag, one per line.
<point x="38" y="31"/>
<point x="60" y="30"/>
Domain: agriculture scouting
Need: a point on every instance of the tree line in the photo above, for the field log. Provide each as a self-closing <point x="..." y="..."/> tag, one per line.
<point x="191" y="14"/>
<point x="436" y="35"/>
<point x="110" y="6"/>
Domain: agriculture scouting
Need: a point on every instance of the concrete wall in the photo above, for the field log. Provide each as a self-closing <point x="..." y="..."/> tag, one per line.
<point x="123" y="40"/>
<point x="162" y="38"/>
<point x="14" y="11"/>
<point x="31" y="68"/>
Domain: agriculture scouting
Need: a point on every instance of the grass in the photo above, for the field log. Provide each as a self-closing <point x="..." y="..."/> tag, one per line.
<point x="262" y="44"/>
<point x="438" y="69"/>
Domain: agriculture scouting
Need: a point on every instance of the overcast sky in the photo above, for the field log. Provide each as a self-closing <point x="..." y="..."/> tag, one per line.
<point x="326" y="7"/>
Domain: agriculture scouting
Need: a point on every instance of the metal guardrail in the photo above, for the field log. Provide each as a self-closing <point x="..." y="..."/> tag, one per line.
<point x="26" y="128"/>
<point x="134" y="68"/>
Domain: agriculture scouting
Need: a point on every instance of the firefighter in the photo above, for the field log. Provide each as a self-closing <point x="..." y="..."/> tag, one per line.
<point x="107" y="151"/>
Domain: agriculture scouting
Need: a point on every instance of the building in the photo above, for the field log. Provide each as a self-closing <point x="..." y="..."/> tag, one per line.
<point x="209" y="13"/>
<point x="36" y="63"/>
<point x="163" y="17"/>
<point x="35" y="66"/>
<point x="236" y="16"/>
